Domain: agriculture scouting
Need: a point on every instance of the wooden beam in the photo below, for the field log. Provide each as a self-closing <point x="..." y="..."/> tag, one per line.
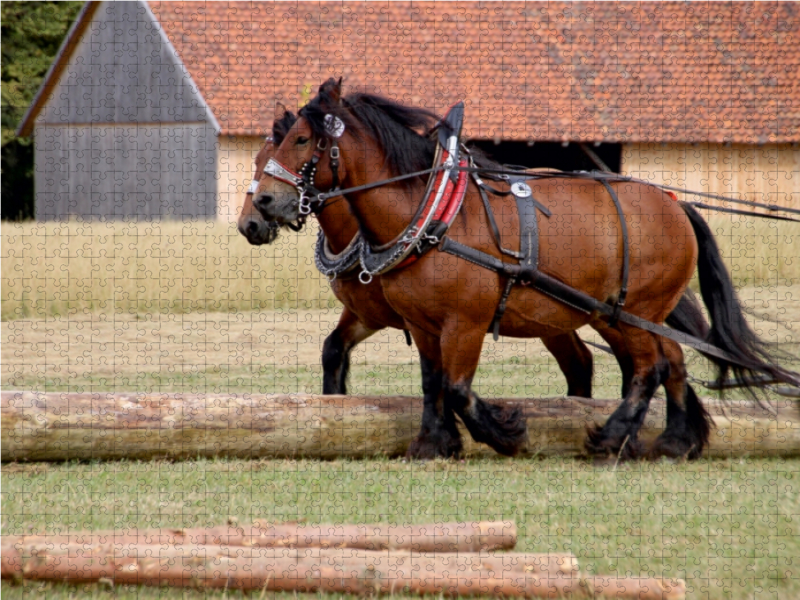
<point x="89" y="426"/>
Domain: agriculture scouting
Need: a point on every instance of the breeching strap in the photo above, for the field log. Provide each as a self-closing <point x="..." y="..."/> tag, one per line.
<point x="579" y="300"/>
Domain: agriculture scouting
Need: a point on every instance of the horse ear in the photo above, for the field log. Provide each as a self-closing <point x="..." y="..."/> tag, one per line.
<point x="331" y="91"/>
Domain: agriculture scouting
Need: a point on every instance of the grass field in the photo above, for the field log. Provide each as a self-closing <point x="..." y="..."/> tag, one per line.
<point x="730" y="528"/>
<point x="51" y="269"/>
<point x="168" y="307"/>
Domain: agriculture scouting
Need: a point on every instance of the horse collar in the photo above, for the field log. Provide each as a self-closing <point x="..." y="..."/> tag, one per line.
<point x="441" y="202"/>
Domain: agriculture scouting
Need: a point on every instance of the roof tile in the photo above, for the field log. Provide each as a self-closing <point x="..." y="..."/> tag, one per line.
<point x="581" y="71"/>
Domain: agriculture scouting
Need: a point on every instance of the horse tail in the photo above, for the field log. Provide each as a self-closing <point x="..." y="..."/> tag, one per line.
<point x="729" y="329"/>
<point x="687" y="316"/>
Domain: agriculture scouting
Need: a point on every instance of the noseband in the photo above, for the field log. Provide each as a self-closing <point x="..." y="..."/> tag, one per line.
<point x="254" y="184"/>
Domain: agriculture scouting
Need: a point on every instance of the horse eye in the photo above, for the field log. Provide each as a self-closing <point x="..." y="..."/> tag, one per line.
<point x="301" y="140"/>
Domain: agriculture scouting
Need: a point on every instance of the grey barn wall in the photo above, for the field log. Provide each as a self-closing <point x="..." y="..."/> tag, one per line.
<point x="125" y="172"/>
<point x="125" y="133"/>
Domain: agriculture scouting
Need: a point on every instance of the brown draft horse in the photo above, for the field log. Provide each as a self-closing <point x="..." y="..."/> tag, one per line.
<point x="448" y="302"/>
<point x="366" y="311"/>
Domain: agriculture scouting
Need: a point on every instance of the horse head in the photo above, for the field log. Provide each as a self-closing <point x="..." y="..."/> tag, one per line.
<point x="251" y="223"/>
<point x="307" y="160"/>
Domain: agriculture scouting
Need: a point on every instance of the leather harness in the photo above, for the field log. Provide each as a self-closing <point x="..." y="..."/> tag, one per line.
<point x="433" y="219"/>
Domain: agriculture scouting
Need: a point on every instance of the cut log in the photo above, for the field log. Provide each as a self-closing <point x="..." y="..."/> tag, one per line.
<point x="92" y="426"/>
<point x="444" y="537"/>
<point x="645" y="588"/>
<point x="283" y="569"/>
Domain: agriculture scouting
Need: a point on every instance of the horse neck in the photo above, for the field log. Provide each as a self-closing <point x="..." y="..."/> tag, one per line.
<point x="384" y="212"/>
<point x="338" y="224"/>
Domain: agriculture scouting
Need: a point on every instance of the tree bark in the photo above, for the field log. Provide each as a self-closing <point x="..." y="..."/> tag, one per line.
<point x="91" y="426"/>
<point x="443" y="537"/>
<point x="349" y="571"/>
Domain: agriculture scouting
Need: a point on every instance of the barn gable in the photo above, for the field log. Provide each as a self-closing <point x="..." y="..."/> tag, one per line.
<point x="124" y="70"/>
<point x="123" y="131"/>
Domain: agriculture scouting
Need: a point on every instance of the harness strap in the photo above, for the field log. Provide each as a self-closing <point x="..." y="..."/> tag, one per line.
<point x="528" y="227"/>
<point x="490" y="214"/>
<point x="581" y="301"/>
<point x="626" y="259"/>
<point x="528" y="243"/>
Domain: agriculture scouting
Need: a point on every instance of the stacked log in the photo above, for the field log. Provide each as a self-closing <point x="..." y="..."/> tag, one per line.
<point x="254" y="559"/>
<point x="436" y="537"/>
<point x="109" y="426"/>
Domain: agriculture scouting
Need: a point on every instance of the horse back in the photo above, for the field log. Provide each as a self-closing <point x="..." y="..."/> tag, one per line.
<point x="581" y="242"/>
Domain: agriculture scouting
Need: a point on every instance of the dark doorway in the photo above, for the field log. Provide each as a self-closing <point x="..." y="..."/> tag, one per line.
<point x="552" y="154"/>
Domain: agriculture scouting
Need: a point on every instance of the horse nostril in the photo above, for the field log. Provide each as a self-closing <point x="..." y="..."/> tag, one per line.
<point x="252" y="227"/>
<point x="264" y="199"/>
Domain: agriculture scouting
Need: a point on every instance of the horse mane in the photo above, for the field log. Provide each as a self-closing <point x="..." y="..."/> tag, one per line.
<point x="280" y="127"/>
<point x="392" y="125"/>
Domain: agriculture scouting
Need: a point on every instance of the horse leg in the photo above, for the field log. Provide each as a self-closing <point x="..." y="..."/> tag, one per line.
<point x="502" y="428"/>
<point x="688" y="423"/>
<point x="336" y="351"/>
<point x="575" y="361"/>
<point x="439" y="435"/>
<point x="619" y="435"/>
<point x="616" y="342"/>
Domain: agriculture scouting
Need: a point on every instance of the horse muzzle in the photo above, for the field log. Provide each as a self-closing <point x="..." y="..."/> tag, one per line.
<point x="259" y="232"/>
<point x="279" y="205"/>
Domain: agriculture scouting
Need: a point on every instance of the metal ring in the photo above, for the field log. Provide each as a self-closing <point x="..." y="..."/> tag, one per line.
<point x="364" y="280"/>
<point x="305" y="205"/>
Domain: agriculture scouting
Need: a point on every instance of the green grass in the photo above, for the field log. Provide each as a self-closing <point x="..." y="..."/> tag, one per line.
<point x="728" y="527"/>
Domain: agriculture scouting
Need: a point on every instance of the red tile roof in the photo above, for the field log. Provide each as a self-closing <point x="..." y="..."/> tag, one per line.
<point x="648" y="71"/>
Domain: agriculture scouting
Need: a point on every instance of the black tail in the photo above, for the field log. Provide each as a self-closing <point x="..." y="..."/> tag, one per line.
<point x="687" y="316"/>
<point x="729" y="329"/>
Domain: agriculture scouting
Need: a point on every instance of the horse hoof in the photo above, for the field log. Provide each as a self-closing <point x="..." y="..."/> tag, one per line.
<point x="604" y="449"/>
<point x="428" y="447"/>
<point x="674" y="449"/>
<point x="599" y="461"/>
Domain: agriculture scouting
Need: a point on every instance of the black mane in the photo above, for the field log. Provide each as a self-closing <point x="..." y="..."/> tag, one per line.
<point x="280" y="127"/>
<point x="390" y="124"/>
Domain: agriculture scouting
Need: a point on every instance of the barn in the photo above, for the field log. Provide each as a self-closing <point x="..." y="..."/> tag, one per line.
<point x="155" y="110"/>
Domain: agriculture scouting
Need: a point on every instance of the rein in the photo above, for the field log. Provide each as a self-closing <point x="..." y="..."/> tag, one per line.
<point x="505" y="174"/>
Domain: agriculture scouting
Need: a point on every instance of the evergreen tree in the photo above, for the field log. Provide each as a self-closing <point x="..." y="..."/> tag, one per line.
<point x="32" y="33"/>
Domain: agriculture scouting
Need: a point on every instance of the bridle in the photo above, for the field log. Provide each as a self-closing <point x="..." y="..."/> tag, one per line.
<point x="311" y="199"/>
<point x="296" y="227"/>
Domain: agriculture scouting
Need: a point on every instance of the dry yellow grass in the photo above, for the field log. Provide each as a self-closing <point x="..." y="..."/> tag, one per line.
<point x="51" y="269"/>
<point x="279" y="351"/>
